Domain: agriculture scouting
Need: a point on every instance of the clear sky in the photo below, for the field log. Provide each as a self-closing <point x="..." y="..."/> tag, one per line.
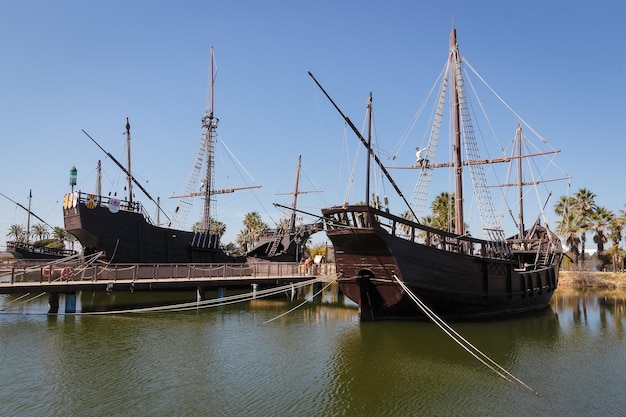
<point x="72" y="65"/>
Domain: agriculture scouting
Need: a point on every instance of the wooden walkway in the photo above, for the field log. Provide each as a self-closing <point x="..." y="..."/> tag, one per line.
<point x="72" y="277"/>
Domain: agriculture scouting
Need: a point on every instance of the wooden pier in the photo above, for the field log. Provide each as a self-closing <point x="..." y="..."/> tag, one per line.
<point x="72" y="277"/>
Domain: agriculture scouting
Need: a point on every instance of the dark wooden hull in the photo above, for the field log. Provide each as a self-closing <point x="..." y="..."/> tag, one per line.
<point x="283" y="245"/>
<point x="126" y="237"/>
<point x="27" y="251"/>
<point x="454" y="284"/>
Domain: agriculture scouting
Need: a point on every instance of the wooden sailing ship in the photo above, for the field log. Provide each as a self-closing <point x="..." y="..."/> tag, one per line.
<point x="122" y="230"/>
<point x="383" y="260"/>
<point x="286" y="242"/>
<point x="27" y="249"/>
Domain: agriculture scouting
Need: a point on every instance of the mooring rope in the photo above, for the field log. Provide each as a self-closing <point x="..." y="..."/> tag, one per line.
<point x="299" y="305"/>
<point x="11" y="305"/>
<point x="464" y="343"/>
<point x="207" y="303"/>
<point x="8" y="304"/>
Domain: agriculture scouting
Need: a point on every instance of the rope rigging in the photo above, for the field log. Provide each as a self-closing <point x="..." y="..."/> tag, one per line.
<point x="464" y="343"/>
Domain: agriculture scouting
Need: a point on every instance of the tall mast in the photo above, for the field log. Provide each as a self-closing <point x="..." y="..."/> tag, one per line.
<point x="518" y="138"/>
<point x="369" y="149"/>
<point x="129" y="175"/>
<point x="294" y="204"/>
<point x="209" y="123"/>
<point x="99" y="181"/>
<point x="456" y="114"/>
<point x="30" y="197"/>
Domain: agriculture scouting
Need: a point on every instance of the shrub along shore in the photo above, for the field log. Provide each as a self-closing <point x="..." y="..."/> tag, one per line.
<point x="593" y="279"/>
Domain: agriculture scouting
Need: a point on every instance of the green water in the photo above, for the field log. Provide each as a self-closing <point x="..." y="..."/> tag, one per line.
<point x="315" y="361"/>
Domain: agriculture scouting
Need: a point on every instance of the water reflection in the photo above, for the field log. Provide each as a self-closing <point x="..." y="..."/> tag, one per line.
<point x="280" y="356"/>
<point x="591" y="308"/>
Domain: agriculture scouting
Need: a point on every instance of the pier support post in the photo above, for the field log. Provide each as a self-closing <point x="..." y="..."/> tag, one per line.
<point x="200" y="293"/>
<point x="317" y="287"/>
<point x="221" y="292"/>
<point x="255" y="288"/>
<point x="70" y="302"/>
<point x="53" y="302"/>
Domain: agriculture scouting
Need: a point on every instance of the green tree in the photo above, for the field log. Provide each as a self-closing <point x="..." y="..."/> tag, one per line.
<point x="584" y="203"/>
<point x="443" y="212"/>
<point x="17" y="232"/>
<point x="244" y="240"/>
<point x="615" y="234"/>
<point x="253" y="226"/>
<point x="563" y="206"/>
<point x="602" y="218"/>
<point x="216" y="227"/>
<point x="577" y="218"/>
<point x="569" y="228"/>
<point x="407" y="215"/>
<point x="59" y="233"/>
<point x="318" y="249"/>
<point x="40" y="230"/>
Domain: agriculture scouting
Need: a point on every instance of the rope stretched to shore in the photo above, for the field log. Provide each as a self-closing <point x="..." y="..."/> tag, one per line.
<point x="464" y="343"/>
<point x="299" y="305"/>
<point x="207" y="303"/>
<point x="10" y="305"/>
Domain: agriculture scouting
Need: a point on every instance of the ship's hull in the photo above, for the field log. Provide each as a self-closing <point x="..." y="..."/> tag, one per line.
<point x="126" y="237"/>
<point x="283" y="245"/>
<point x="454" y="284"/>
<point x="27" y="251"/>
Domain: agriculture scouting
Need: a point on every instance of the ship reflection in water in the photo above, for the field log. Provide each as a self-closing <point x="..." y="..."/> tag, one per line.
<point x="316" y="295"/>
<point x="293" y="354"/>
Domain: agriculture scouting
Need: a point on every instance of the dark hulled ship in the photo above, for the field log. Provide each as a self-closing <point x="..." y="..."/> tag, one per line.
<point x="399" y="267"/>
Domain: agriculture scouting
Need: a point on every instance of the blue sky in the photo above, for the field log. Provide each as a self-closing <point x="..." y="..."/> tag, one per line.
<point x="72" y="65"/>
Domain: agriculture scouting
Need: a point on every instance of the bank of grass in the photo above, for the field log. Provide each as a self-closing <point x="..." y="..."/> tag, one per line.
<point x="593" y="279"/>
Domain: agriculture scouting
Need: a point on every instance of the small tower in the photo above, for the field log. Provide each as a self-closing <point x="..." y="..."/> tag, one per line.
<point x="73" y="176"/>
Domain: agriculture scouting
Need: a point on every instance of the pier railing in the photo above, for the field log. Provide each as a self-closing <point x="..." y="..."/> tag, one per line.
<point x="75" y="271"/>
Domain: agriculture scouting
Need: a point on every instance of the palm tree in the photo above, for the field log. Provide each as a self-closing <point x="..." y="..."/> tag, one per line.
<point x="443" y="211"/>
<point x="59" y="234"/>
<point x="563" y="206"/>
<point x="615" y="234"/>
<point x="407" y="215"/>
<point x="40" y="230"/>
<point x="217" y="228"/>
<point x="17" y="232"/>
<point x="584" y="203"/>
<point x="244" y="240"/>
<point x="72" y="239"/>
<point x="253" y="226"/>
<point x="602" y="218"/>
<point x="569" y="228"/>
<point x="576" y="218"/>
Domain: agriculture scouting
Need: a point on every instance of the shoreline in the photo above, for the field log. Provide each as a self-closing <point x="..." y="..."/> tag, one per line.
<point x="592" y="279"/>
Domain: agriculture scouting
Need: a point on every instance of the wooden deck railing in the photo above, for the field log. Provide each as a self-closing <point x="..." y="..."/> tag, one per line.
<point x="74" y="271"/>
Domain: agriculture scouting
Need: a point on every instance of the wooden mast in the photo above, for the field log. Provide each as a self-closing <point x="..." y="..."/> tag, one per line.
<point x="210" y="124"/>
<point x="518" y="138"/>
<point x="294" y="205"/>
<point x="458" y="162"/>
<point x="99" y="181"/>
<point x="369" y="150"/>
<point x="129" y="175"/>
<point x="30" y="197"/>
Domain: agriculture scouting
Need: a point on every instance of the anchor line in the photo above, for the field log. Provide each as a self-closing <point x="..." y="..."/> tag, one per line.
<point x="8" y="304"/>
<point x="464" y="343"/>
<point x="207" y="303"/>
<point x="299" y="305"/>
